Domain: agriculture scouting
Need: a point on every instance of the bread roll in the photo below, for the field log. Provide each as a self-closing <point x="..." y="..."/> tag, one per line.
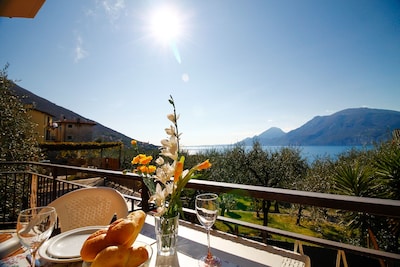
<point x="95" y="243"/>
<point x="125" y="231"/>
<point x="122" y="232"/>
<point x="120" y="256"/>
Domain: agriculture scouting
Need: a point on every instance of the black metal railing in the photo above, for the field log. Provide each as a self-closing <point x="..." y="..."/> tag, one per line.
<point x="21" y="179"/>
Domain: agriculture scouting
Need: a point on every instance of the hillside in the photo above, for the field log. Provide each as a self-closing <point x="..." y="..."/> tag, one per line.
<point x="100" y="132"/>
<point x="272" y="133"/>
<point x="349" y="127"/>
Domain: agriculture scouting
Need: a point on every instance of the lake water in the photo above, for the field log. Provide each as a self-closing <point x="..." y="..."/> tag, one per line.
<point x="308" y="152"/>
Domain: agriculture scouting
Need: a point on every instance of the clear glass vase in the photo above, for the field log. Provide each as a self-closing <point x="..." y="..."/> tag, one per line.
<point x="167" y="234"/>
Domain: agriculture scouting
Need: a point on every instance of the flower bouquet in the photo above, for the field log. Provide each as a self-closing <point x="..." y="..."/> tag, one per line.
<point x="166" y="181"/>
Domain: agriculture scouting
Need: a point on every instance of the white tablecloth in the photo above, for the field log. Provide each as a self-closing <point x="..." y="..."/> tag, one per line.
<point x="192" y="244"/>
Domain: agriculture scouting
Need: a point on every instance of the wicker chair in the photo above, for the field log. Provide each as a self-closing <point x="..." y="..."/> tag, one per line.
<point x="88" y="207"/>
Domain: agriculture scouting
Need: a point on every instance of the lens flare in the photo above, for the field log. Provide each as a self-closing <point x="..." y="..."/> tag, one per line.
<point x="167" y="27"/>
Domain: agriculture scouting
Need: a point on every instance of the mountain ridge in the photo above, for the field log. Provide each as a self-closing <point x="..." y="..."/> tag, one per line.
<point x="352" y="126"/>
<point x="348" y="127"/>
<point x="100" y="132"/>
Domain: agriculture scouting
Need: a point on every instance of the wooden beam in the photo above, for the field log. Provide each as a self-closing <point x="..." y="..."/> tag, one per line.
<point x="377" y="206"/>
<point x="20" y="8"/>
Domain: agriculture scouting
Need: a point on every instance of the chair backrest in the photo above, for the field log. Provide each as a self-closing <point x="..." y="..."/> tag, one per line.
<point x="88" y="207"/>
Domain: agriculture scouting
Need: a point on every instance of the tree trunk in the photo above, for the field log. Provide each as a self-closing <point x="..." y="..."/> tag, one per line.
<point x="222" y="206"/>
<point x="265" y="208"/>
<point x="299" y="215"/>
<point x="276" y="207"/>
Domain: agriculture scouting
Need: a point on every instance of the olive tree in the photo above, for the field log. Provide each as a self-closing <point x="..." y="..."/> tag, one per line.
<point x="17" y="143"/>
<point x="282" y="168"/>
<point x="18" y="139"/>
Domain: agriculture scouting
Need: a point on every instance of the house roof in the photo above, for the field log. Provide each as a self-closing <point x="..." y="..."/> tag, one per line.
<point x="75" y="121"/>
<point x="20" y="8"/>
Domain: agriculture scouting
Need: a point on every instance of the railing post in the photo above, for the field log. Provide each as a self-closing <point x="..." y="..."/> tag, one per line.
<point x="341" y="256"/>
<point x="145" y="197"/>
<point x="54" y="190"/>
<point x="34" y="189"/>
<point x="298" y="247"/>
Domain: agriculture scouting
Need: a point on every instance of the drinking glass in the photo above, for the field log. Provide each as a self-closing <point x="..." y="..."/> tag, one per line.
<point x="34" y="227"/>
<point x="207" y="211"/>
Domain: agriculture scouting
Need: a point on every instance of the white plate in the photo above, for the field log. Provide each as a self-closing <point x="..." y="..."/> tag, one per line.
<point x="66" y="246"/>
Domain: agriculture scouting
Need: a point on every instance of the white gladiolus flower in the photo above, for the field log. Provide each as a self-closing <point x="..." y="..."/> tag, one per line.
<point x="171" y="117"/>
<point x="164" y="173"/>
<point x="170" y="130"/>
<point x="159" y="196"/>
<point x="169" y="188"/>
<point x="170" y="148"/>
<point x="160" y="161"/>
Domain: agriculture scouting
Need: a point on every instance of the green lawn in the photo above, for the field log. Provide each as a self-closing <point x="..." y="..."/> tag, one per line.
<point x="285" y="220"/>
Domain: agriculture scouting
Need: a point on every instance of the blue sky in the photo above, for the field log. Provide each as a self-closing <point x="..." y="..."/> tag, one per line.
<point x="234" y="68"/>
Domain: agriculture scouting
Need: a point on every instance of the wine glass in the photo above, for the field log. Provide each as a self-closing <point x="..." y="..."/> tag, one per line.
<point x="207" y="211"/>
<point x="34" y="227"/>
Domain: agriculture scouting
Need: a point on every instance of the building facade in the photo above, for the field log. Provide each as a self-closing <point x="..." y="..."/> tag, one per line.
<point x="43" y="121"/>
<point x="73" y="130"/>
<point x="64" y="130"/>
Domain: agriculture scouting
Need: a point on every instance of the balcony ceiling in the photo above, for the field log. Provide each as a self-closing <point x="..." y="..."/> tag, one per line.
<point x="20" y="8"/>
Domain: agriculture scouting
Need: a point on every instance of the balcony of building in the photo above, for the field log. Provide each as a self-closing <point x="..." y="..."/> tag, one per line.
<point x="25" y="184"/>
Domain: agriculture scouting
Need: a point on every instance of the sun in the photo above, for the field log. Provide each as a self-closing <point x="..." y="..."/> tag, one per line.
<point x="166" y="25"/>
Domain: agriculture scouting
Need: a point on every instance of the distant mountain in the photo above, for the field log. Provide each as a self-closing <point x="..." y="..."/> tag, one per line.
<point x="100" y="132"/>
<point x="272" y="133"/>
<point x="349" y="127"/>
